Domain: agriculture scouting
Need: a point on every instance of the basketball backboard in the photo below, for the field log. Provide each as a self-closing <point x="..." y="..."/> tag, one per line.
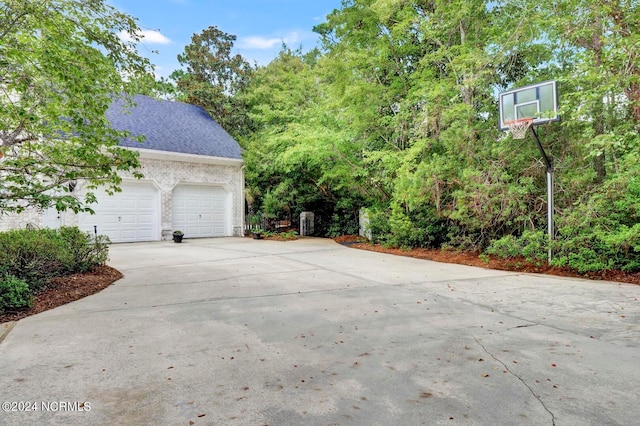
<point x="537" y="101"/>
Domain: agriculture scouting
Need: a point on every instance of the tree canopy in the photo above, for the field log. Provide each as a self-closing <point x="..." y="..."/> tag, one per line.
<point x="61" y="65"/>
<point x="212" y="78"/>
<point x="397" y="113"/>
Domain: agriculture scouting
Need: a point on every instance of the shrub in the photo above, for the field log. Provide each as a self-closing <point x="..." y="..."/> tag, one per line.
<point x="14" y="293"/>
<point x="84" y="251"/>
<point x="32" y="255"/>
<point x="399" y="228"/>
<point x="37" y="255"/>
<point x="532" y="245"/>
<point x="506" y="247"/>
<point x="289" y="235"/>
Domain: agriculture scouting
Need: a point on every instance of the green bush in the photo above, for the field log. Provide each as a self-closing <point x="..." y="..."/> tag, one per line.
<point x="14" y="293"/>
<point x="85" y="252"/>
<point x="33" y="255"/>
<point x="532" y="245"/>
<point x="597" y="249"/>
<point x="38" y="255"/>
<point x="399" y="228"/>
<point x="583" y="250"/>
<point x="506" y="247"/>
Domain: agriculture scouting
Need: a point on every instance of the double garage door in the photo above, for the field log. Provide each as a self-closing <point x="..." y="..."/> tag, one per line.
<point x="134" y="214"/>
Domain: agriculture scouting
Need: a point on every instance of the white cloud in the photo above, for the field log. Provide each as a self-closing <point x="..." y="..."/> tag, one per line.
<point x="148" y="36"/>
<point x="264" y="43"/>
<point x="257" y="42"/>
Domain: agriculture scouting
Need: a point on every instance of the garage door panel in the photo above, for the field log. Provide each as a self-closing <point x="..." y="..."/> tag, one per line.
<point x="145" y="219"/>
<point x="128" y="220"/>
<point x="128" y="203"/>
<point x="193" y="230"/>
<point x="207" y="229"/>
<point x="201" y="211"/>
<point x="146" y="204"/>
<point x="107" y="202"/>
<point x="129" y="234"/>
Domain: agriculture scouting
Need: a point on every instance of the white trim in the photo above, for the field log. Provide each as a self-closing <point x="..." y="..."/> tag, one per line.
<point x="222" y="185"/>
<point x="153" y="154"/>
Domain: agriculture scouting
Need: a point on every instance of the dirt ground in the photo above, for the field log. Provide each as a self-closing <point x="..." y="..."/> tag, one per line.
<point x="73" y="287"/>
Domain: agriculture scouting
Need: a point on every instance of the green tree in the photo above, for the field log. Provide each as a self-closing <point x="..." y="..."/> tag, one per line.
<point x="299" y="157"/>
<point x="398" y="113"/>
<point x="61" y="65"/>
<point x="212" y="78"/>
<point x="414" y="80"/>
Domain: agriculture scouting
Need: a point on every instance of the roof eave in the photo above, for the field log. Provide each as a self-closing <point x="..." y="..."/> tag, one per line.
<point x="153" y="154"/>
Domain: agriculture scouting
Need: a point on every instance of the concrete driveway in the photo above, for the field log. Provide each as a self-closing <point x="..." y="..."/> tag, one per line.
<point x="237" y="331"/>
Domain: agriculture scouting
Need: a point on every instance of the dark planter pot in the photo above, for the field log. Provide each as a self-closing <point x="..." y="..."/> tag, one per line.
<point x="177" y="238"/>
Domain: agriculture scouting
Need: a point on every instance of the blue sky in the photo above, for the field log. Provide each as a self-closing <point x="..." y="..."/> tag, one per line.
<point x="261" y="26"/>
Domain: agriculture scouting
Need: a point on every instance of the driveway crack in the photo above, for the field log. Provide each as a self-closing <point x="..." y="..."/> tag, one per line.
<point x="523" y="326"/>
<point x="553" y="417"/>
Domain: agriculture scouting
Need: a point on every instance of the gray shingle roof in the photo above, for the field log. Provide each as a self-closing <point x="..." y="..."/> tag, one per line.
<point x="172" y="126"/>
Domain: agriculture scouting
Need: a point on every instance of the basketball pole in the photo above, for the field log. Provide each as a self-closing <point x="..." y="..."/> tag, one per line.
<point x="550" y="185"/>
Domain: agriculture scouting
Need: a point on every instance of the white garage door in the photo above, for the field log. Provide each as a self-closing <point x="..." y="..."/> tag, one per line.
<point x="201" y="211"/>
<point x="127" y="216"/>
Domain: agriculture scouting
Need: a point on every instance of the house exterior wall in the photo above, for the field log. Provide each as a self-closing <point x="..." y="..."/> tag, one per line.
<point x="31" y="217"/>
<point x="168" y="174"/>
<point x="166" y="171"/>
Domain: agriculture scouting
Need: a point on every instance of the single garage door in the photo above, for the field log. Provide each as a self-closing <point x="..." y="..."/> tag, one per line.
<point x="127" y="216"/>
<point x="201" y="211"/>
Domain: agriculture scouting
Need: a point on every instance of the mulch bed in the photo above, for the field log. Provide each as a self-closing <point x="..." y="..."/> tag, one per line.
<point x="63" y="290"/>
<point x="473" y="259"/>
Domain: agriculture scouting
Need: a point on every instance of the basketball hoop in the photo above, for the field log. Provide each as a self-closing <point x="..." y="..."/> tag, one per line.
<point x="518" y="128"/>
